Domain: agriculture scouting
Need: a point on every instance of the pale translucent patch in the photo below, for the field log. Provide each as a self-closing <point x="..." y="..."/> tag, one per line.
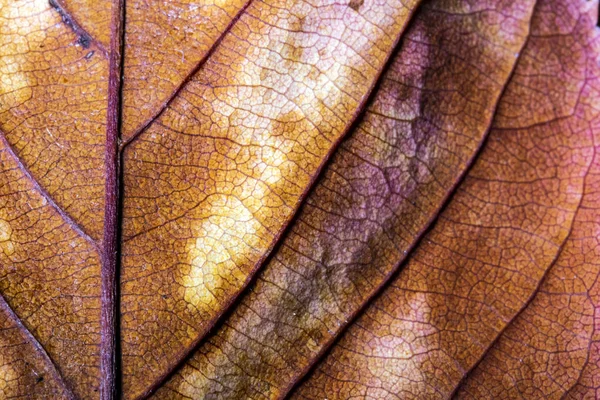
<point x="22" y="9"/>
<point x="14" y="86"/>
<point x="397" y="357"/>
<point x="6" y="244"/>
<point x="34" y="17"/>
<point x="221" y="3"/>
<point x="223" y="239"/>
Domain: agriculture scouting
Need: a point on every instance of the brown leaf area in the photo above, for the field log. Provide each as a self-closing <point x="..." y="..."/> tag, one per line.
<point x="302" y="199"/>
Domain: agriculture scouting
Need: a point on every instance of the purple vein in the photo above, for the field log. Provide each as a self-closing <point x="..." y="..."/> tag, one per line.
<point x="110" y="252"/>
<point x="36" y="344"/>
<point x="65" y="216"/>
<point x="187" y="79"/>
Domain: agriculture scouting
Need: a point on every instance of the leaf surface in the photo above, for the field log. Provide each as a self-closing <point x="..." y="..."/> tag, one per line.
<point x="165" y="42"/>
<point x="510" y="226"/>
<point x="382" y="189"/>
<point x="52" y="118"/>
<point x="155" y="154"/>
<point x="550" y="350"/>
<point x="211" y="185"/>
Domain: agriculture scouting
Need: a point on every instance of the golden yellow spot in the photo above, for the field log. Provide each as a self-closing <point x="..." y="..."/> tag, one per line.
<point x="224" y="237"/>
<point x="6" y="244"/>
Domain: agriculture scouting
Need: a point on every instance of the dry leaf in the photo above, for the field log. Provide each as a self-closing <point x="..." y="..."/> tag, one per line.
<point x="363" y="199"/>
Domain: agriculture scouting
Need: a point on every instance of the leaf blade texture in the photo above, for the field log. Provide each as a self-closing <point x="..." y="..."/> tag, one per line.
<point x="457" y="315"/>
<point x="332" y="244"/>
<point x="298" y="199"/>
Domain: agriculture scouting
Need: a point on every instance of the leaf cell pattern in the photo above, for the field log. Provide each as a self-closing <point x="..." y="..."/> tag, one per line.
<point x="246" y="199"/>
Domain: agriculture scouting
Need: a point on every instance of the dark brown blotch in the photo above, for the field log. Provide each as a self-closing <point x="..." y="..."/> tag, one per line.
<point x="355" y="4"/>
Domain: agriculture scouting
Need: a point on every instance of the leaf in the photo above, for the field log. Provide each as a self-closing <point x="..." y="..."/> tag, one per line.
<point x="154" y="156"/>
<point x="381" y="191"/>
<point x="494" y="303"/>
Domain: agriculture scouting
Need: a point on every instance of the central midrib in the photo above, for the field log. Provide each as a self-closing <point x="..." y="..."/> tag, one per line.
<point x="109" y="295"/>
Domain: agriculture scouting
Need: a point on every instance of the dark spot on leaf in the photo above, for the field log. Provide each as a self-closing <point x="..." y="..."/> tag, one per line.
<point x="84" y="41"/>
<point x="355" y="4"/>
<point x="39" y="379"/>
